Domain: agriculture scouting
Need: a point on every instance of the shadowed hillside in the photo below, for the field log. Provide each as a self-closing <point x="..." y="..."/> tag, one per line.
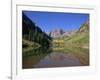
<point x="33" y="36"/>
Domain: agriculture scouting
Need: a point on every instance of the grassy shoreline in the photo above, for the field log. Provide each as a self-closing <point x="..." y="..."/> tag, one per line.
<point x="30" y="45"/>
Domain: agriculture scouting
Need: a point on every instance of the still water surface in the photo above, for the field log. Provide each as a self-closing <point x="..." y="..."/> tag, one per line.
<point x="44" y="58"/>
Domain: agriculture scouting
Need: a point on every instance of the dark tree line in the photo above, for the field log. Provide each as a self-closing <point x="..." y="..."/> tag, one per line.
<point x="33" y="33"/>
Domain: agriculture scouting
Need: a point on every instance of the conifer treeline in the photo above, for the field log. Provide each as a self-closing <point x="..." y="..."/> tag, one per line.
<point x="33" y="33"/>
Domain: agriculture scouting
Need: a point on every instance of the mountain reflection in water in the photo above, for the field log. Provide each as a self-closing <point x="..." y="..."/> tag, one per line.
<point x="45" y="57"/>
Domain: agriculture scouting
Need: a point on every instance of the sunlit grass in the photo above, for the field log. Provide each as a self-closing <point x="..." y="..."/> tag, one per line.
<point x="29" y="45"/>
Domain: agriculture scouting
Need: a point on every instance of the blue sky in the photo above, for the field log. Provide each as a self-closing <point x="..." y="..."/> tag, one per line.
<point x="49" y="21"/>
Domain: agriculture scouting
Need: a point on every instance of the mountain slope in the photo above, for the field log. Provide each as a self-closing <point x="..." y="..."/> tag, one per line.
<point x="81" y="37"/>
<point x="84" y="27"/>
<point x="33" y="34"/>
